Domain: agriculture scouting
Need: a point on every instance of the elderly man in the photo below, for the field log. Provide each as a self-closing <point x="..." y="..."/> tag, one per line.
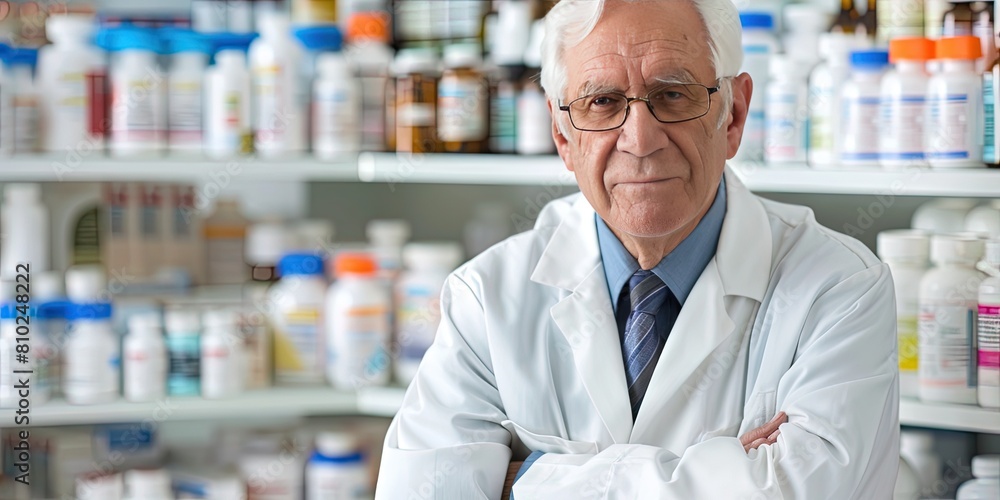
<point x="666" y="334"/>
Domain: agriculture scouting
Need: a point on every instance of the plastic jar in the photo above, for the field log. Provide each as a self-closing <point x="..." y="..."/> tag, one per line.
<point x="860" y="95"/>
<point x="297" y="306"/>
<point x="759" y="45"/>
<point x="336" y="117"/>
<point x="986" y="485"/>
<point x="942" y="215"/>
<point x="271" y="468"/>
<point x="984" y="219"/>
<point x="418" y="307"/>
<point x="948" y="304"/>
<point x="804" y="23"/>
<point x="463" y="101"/>
<point x="416" y="100"/>
<point x="25" y="222"/>
<point x="357" y="316"/>
<point x="906" y="253"/>
<point x="904" y="104"/>
<point x="221" y="356"/>
<point x="92" y="358"/>
<point x="18" y="339"/>
<point x="825" y="84"/>
<point x="138" y="93"/>
<point x="787" y="134"/>
<point x="988" y="330"/>
<point x="917" y="448"/>
<point x="148" y="484"/>
<point x="371" y="56"/>
<point x="189" y="53"/>
<point x="184" y="352"/>
<point x="954" y="137"/>
<point x="228" y="99"/>
<point x="534" y="121"/>
<point x="387" y="237"/>
<point x="279" y="94"/>
<point x="144" y="371"/>
<point x="22" y="96"/>
<point x="336" y="469"/>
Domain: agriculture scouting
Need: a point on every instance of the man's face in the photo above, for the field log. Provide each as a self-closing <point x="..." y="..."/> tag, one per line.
<point x="648" y="179"/>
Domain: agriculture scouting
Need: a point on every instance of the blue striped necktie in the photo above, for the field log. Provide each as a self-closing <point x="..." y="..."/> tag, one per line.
<point x="642" y="344"/>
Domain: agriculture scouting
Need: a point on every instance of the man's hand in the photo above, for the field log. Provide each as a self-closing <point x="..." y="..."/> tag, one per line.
<point x="765" y="434"/>
<point x="509" y="482"/>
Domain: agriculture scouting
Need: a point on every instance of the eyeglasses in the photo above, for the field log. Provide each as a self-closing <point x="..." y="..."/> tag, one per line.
<point x="673" y="103"/>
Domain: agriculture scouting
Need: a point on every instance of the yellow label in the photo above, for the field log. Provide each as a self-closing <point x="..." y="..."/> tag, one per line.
<point x="906" y="327"/>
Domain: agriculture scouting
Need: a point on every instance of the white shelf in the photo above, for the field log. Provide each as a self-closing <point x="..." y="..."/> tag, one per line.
<point x="380" y="401"/>
<point x="949" y="416"/>
<point x="97" y="168"/>
<point x="464" y="169"/>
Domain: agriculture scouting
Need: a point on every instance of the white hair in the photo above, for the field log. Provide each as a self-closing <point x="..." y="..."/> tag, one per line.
<point x="570" y="21"/>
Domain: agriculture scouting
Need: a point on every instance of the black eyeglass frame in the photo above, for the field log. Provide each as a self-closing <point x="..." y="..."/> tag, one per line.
<point x="628" y="107"/>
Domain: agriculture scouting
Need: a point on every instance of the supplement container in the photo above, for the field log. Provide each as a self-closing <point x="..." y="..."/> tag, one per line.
<point x="23" y="348"/>
<point x="906" y="252"/>
<point x="225" y="232"/>
<point x="805" y="23"/>
<point x="336" y="96"/>
<point x="70" y="74"/>
<point x="463" y="101"/>
<point x="917" y="448"/>
<point x="336" y="469"/>
<point x="228" y="99"/>
<point x="138" y="93"/>
<point x="418" y="306"/>
<point x="184" y="352"/>
<point x="988" y="329"/>
<point x="148" y="484"/>
<point x="986" y="485"/>
<point x="825" y="107"/>
<point x="759" y="45"/>
<point x="948" y="305"/>
<point x="984" y="219"/>
<point x="297" y="302"/>
<point x="904" y="104"/>
<point x="357" y="313"/>
<point x="21" y="94"/>
<point x="953" y="134"/>
<point x="144" y="372"/>
<point x="279" y="94"/>
<point x="189" y="53"/>
<point x="991" y="99"/>
<point x="371" y="56"/>
<point x="860" y="96"/>
<point x="25" y="222"/>
<point x="221" y="356"/>
<point x="416" y="101"/>
<point x="92" y="359"/>
<point x="786" y="131"/>
<point x="387" y="237"/>
<point x="534" y="122"/>
<point x="942" y="215"/>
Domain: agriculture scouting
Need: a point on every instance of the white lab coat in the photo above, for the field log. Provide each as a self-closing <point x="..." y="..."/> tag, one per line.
<point x="788" y="316"/>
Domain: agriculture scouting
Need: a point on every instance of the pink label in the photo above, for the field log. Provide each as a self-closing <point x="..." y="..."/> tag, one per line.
<point x="988" y="359"/>
<point x="995" y="310"/>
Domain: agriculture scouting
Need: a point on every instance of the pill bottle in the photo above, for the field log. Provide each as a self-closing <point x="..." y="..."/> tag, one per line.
<point x="786" y="132"/>
<point x="860" y="96"/>
<point x="917" y="448"/>
<point x="98" y="486"/>
<point x="25" y="222"/>
<point x="92" y="356"/>
<point x="988" y="329"/>
<point x="297" y="306"/>
<point x="418" y="307"/>
<point x="825" y="83"/>
<point x="184" y="352"/>
<point x="138" y="93"/>
<point x="189" y="53"/>
<point x="984" y="219"/>
<point x="904" y="104"/>
<point x="24" y="354"/>
<point x="955" y="109"/>
<point x="759" y="44"/>
<point x="986" y="485"/>
<point x="371" y="56"/>
<point x="907" y="254"/>
<point x="336" y="469"/>
<point x="228" y="99"/>
<point x="357" y="316"/>
<point x="534" y="121"/>
<point x="336" y="115"/>
<point x="147" y="484"/>
<point x="387" y="238"/>
<point x="144" y="366"/>
<point x="942" y="215"/>
<point x="463" y="101"/>
<point x="949" y="295"/>
<point x="279" y="94"/>
<point x="221" y="356"/>
<point x="991" y="100"/>
<point x="23" y="100"/>
<point x="416" y="101"/>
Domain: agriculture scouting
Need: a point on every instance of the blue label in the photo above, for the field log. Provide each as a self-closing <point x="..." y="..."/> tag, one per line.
<point x="989" y="131"/>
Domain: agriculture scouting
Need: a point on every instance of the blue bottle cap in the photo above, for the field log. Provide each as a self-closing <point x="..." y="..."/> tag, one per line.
<point x="870" y="58"/>
<point x="128" y="38"/>
<point x="301" y="264"/>
<point x="21" y="56"/>
<point x="320" y="38"/>
<point x="8" y="310"/>
<point x="55" y="309"/>
<point x="228" y="41"/>
<point x="176" y="41"/>
<point x="757" y="20"/>
<point x="95" y="311"/>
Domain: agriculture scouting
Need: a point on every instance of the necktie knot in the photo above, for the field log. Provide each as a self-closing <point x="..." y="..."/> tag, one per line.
<point x="647" y="292"/>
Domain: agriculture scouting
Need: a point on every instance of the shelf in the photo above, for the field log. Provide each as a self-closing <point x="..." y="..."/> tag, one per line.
<point x="949" y="416"/>
<point x="380" y="401"/>
<point x="464" y="169"/>
<point x="51" y="168"/>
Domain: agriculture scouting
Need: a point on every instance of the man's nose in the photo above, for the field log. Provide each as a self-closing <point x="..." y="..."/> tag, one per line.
<point x="641" y="135"/>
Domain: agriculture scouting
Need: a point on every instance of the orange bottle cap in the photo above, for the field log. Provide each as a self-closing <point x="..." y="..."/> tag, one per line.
<point x="960" y="47"/>
<point x="911" y="49"/>
<point x="355" y="263"/>
<point x="368" y="26"/>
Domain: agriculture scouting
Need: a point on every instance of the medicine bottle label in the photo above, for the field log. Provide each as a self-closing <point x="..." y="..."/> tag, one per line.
<point x="860" y="129"/>
<point x="136" y="110"/>
<point x="183" y="372"/>
<point x="25" y="133"/>
<point x="359" y="354"/>
<point x="185" y="112"/>
<point x="902" y="128"/>
<point x="415" y="114"/>
<point x="503" y="124"/>
<point x="298" y="348"/>
<point x="949" y="127"/>
<point x="785" y="134"/>
<point x="947" y="345"/>
<point x="462" y="109"/>
<point x="417" y="321"/>
<point x="271" y="115"/>
<point x="334" y="117"/>
<point x="990" y="146"/>
<point x="91" y="370"/>
<point x="822" y="125"/>
<point x="906" y="333"/>
<point x="989" y="337"/>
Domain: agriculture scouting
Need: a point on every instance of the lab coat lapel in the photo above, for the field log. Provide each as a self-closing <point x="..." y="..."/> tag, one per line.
<point x="572" y="262"/>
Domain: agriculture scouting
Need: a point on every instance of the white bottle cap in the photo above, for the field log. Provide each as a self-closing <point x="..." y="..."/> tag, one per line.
<point x="904" y="244"/>
<point x="462" y="55"/>
<point x="991" y="254"/>
<point x="916" y="441"/>
<point x="805" y="17"/>
<point x="274" y="24"/>
<point x="388" y="232"/>
<point x="417" y="60"/>
<point x="147" y="484"/>
<point x="986" y="466"/>
<point x="533" y="53"/>
<point x="956" y="248"/>
<point x="70" y="28"/>
<point x="943" y="215"/>
<point x="336" y="444"/>
<point x="984" y="219"/>
<point x="145" y="322"/>
<point x="46" y="285"/>
<point x="182" y="321"/>
<point x="836" y="47"/>
<point x="22" y="193"/>
<point x="435" y="256"/>
<point x="220" y="318"/>
<point x="267" y="242"/>
<point x="86" y="284"/>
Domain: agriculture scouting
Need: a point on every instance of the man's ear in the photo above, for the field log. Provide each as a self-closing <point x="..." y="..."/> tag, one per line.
<point x="562" y="142"/>
<point x="742" y="93"/>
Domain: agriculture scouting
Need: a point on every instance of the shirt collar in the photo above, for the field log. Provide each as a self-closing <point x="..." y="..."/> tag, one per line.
<point x="680" y="269"/>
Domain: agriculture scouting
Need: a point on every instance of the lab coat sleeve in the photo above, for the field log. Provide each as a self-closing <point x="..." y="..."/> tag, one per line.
<point x="841" y="440"/>
<point x="446" y="442"/>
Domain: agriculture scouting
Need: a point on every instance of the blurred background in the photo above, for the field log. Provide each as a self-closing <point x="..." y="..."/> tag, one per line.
<point x="228" y="222"/>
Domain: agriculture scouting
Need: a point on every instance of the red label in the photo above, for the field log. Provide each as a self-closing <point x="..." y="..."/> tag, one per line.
<point x="994" y="310"/>
<point x="989" y="359"/>
<point x="97" y="97"/>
